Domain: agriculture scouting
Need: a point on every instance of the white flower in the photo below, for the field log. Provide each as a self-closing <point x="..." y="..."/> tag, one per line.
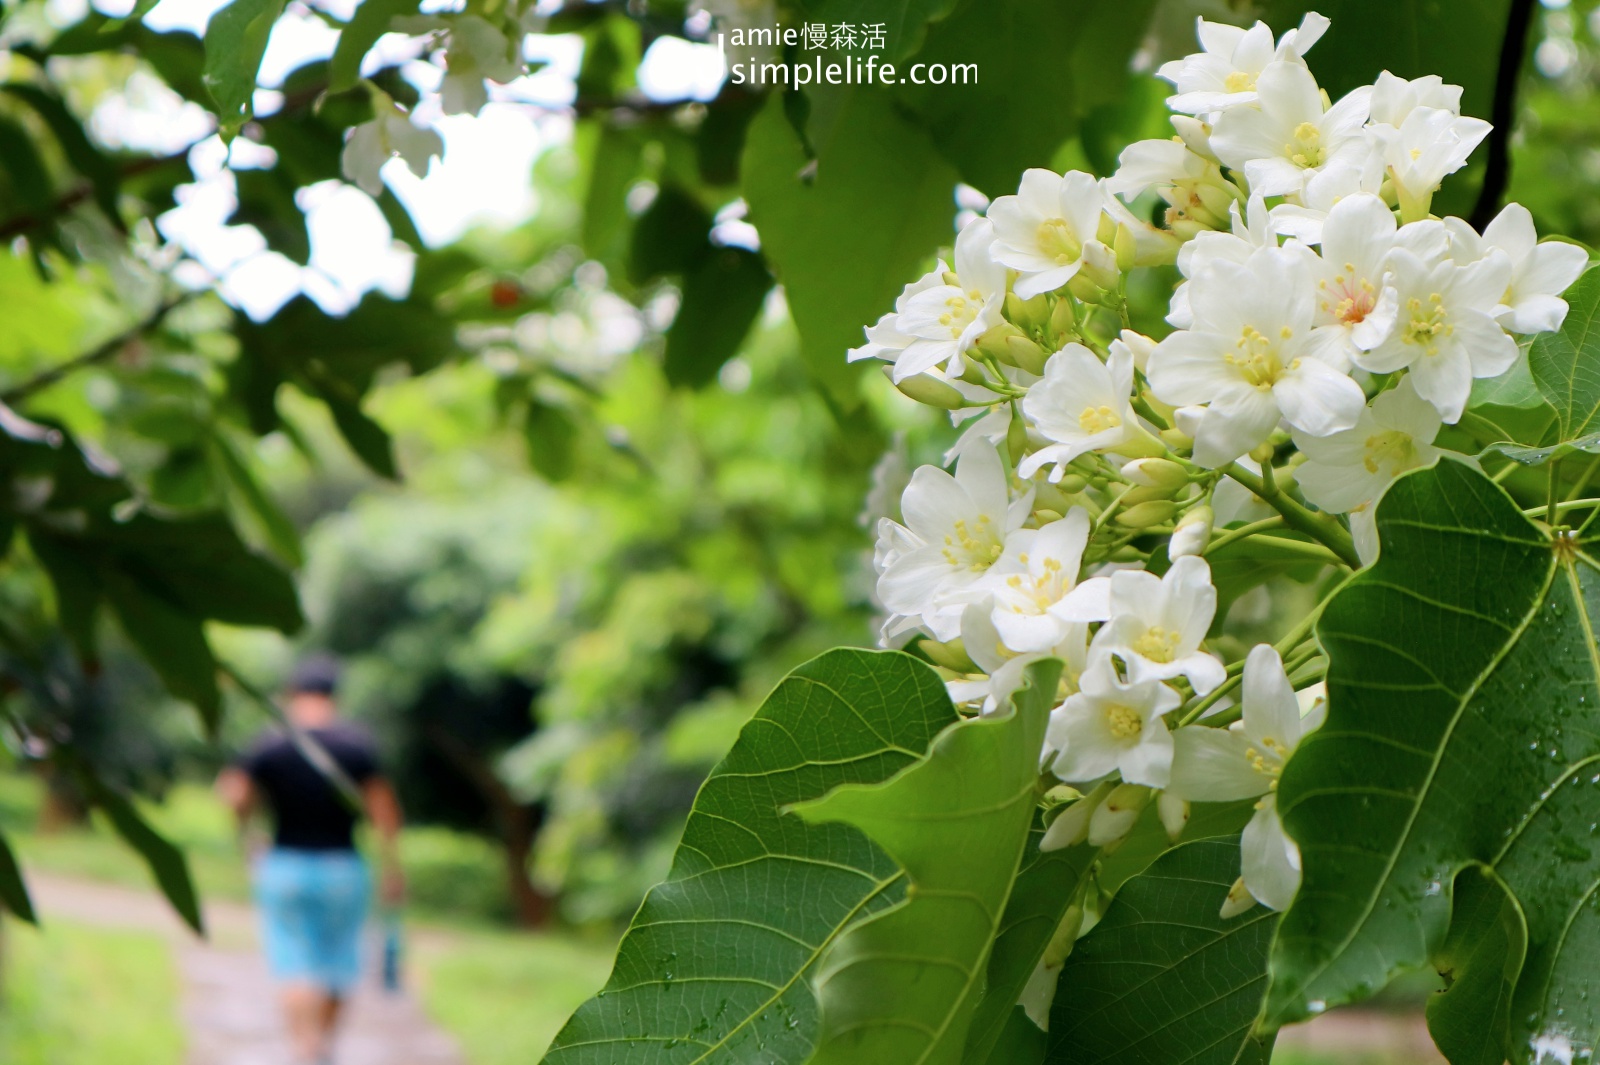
<point x="1394" y="98"/>
<point x="1423" y="150"/>
<point x="1356" y="304"/>
<point x="1225" y="72"/>
<point x="1113" y="725"/>
<point x="1445" y="333"/>
<point x="1193" y="186"/>
<point x="1080" y="405"/>
<point x="1289" y="136"/>
<point x="1250" y="356"/>
<point x="1348" y="472"/>
<point x="1245" y="760"/>
<point x="1157" y="624"/>
<point x="941" y="314"/>
<point x="955" y="529"/>
<point x="1049" y="228"/>
<point x="1540" y="273"/>
<point x="1004" y="670"/>
<point x="1340" y="178"/>
<point x="1037" y="597"/>
<point x="390" y="134"/>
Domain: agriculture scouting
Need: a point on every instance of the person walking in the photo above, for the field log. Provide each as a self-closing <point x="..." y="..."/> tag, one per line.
<point x="312" y="887"/>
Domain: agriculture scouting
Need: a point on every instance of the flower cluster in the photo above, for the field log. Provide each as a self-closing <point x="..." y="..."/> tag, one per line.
<point x="1324" y="326"/>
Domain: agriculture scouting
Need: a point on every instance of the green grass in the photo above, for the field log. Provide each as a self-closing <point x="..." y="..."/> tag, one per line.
<point x="505" y="996"/>
<point x="75" y="995"/>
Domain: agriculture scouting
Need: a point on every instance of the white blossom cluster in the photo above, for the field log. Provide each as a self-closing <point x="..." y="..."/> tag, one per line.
<point x="1325" y="327"/>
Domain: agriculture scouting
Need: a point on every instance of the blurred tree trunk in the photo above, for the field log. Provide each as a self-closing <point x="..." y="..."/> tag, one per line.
<point x="62" y="806"/>
<point x="515" y="823"/>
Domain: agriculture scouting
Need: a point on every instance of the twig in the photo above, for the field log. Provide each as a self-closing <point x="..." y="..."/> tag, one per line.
<point x="1319" y="527"/>
<point x="45" y="378"/>
<point x="1497" y="174"/>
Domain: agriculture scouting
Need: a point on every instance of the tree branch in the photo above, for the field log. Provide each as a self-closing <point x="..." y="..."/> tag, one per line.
<point x="1497" y="175"/>
<point x="45" y="378"/>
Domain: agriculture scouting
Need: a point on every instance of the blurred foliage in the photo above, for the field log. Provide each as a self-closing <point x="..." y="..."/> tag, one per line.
<point x="579" y="464"/>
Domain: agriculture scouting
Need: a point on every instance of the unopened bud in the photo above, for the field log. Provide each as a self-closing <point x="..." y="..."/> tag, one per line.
<point x="1046" y="516"/>
<point x="1156" y="473"/>
<point x="1026" y="355"/>
<point x="1016" y="439"/>
<point x="1100" y="263"/>
<point x="1217" y="202"/>
<point x="1238" y="901"/>
<point x="1139" y="345"/>
<point x="1052" y="497"/>
<point x="1064" y="938"/>
<point x="1072" y="484"/>
<point x="1083" y="287"/>
<point x="1195" y="134"/>
<point x="1193" y="533"/>
<point x="1072" y="825"/>
<point x="1115" y="817"/>
<point x="1063" y="320"/>
<point x="1127" y="247"/>
<point x="1263" y="452"/>
<point x="1177" y="439"/>
<point x="1030" y="314"/>
<point x="928" y="389"/>
<point x="951" y="654"/>
<point x="1174" y="812"/>
<point x="1148" y="514"/>
<point x="1142" y="445"/>
<point x="993" y="341"/>
<point x="1187" y="228"/>
<point x="1144" y="493"/>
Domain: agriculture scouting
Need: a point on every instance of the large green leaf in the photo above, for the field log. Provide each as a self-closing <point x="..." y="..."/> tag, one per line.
<point x="902" y="986"/>
<point x="1566" y="364"/>
<point x="236" y="39"/>
<point x="1463" y="728"/>
<point x="846" y="234"/>
<point x="1163" y="976"/>
<point x="1480" y="961"/>
<point x="716" y="964"/>
<point x="167" y="863"/>
<point x="370" y="21"/>
<point x="13" y="890"/>
<point x="722" y="296"/>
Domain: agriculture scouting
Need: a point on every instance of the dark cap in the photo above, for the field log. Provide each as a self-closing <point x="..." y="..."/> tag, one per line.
<point x="316" y="673"/>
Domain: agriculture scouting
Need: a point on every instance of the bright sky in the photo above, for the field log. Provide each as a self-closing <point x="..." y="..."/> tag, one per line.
<point x="485" y="176"/>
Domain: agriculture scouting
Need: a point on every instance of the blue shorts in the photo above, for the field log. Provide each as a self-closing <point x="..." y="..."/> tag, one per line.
<point x="313" y="904"/>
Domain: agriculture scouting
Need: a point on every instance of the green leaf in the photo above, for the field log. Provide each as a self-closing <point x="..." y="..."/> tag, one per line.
<point x="1463" y="728"/>
<point x="167" y="863"/>
<point x="1021" y="1042"/>
<point x="1047" y="883"/>
<point x="1076" y="56"/>
<point x="84" y="156"/>
<point x="715" y="966"/>
<point x="369" y="440"/>
<point x="1480" y="961"/>
<point x="552" y="438"/>
<point x="847" y="237"/>
<point x="25" y="171"/>
<point x="370" y="21"/>
<point x="172" y="640"/>
<point x="1566" y="364"/>
<point x="722" y="297"/>
<point x="236" y="39"/>
<point x="904" y="22"/>
<point x="672" y="236"/>
<point x="275" y="527"/>
<point x="902" y="985"/>
<point x="13" y="891"/>
<point x="1163" y="977"/>
<point x="614" y="165"/>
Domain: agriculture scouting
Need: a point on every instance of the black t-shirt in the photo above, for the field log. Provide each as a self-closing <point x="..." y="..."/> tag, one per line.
<point x="307" y="810"/>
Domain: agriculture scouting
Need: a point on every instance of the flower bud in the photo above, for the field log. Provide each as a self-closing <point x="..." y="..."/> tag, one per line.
<point x="1053" y="497"/>
<point x="1026" y="355"/>
<point x="1072" y="484"/>
<point x="1238" y="901"/>
<point x="1193" y="533"/>
<point x="993" y="341"/>
<point x="1177" y="439"/>
<point x="1263" y="452"/>
<point x="1174" y="812"/>
<point x="1196" y="135"/>
<point x="1115" y="817"/>
<point x="952" y="655"/>
<point x="1063" y="321"/>
<point x="1100" y="263"/>
<point x="1016" y="439"/>
<point x="1072" y="825"/>
<point x="1030" y="314"/>
<point x="1144" y="493"/>
<point x="1139" y="345"/>
<point x="1064" y="938"/>
<point x="1085" y="289"/>
<point x="1216" y="201"/>
<point x="925" y="388"/>
<point x="1185" y="228"/>
<point x="1156" y="473"/>
<point x="1145" y="515"/>
<point x="1127" y="247"/>
<point x="1142" y="445"/>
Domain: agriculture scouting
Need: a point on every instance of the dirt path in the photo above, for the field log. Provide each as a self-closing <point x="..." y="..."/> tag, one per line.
<point x="229" y="1010"/>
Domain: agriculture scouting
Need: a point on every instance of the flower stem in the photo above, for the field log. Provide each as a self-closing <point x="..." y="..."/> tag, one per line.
<point x="1233" y="535"/>
<point x="1319" y="527"/>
